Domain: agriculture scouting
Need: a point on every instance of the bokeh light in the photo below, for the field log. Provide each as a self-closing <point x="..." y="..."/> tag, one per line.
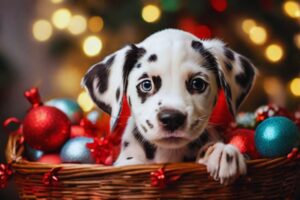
<point x="42" y="30"/>
<point x="56" y="1"/>
<point x="92" y="46"/>
<point x="247" y="25"/>
<point x="295" y="87"/>
<point x="274" y="52"/>
<point x="95" y="24"/>
<point x="297" y="40"/>
<point x="272" y="85"/>
<point x="77" y="25"/>
<point x="258" y="35"/>
<point x="151" y="13"/>
<point x="85" y="101"/>
<point x="292" y="9"/>
<point x="61" y="18"/>
<point x="219" y="5"/>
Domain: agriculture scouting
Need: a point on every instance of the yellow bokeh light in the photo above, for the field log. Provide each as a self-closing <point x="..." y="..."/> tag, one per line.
<point x="56" y="1"/>
<point x="295" y="86"/>
<point x="272" y="85"/>
<point x="292" y="9"/>
<point x="85" y="101"/>
<point x="42" y="30"/>
<point x="92" y="46"/>
<point x="151" y="13"/>
<point x="247" y="25"/>
<point x="258" y="35"/>
<point x="274" y="52"/>
<point x="297" y="40"/>
<point x="61" y="18"/>
<point x="77" y="25"/>
<point x="95" y="24"/>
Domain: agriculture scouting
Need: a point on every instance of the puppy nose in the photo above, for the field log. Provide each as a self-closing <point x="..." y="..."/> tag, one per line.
<point x="171" y="119"/>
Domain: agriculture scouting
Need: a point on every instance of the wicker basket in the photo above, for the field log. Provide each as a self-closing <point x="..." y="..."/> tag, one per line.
<point x="266" y="179"/>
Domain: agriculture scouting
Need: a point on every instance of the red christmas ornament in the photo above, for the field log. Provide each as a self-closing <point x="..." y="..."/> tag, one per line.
<point x="50" y="159"/>
<point x="159" y="179"/>
<point x="85" y="129"/>
<point x="5" y="174"/>
<point x="243" y="139"/>
<point x="51" y="178"/>
<point x="45" y="128"/>
<point x="270" y="110"/>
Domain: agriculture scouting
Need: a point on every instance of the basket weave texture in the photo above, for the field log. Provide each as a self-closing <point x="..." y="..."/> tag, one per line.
<point x="266" y="179"/>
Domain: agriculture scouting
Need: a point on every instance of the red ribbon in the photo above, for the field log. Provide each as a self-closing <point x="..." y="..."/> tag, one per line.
<point x="5" y="174"/>
<point x="51" y="178"/>
<point x="294" y="154"/>
<point x="159" y="179"/>
<point x="33" y="96"/>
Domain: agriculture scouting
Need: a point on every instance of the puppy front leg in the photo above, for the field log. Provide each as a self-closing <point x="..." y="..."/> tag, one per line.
<point x="224" y="162"/>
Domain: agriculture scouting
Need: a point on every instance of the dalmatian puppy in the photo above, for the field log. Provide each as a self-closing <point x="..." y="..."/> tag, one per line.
<point x="171" y="81"/>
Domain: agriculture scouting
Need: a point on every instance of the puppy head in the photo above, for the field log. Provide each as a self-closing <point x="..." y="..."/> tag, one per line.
<point x="171" y="81"/>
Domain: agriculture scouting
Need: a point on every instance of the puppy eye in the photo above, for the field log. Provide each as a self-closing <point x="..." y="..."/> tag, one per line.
<point x="145" y="86"/>
<point x="198" y="84"/>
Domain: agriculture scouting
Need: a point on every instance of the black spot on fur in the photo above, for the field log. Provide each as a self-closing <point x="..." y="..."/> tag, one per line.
<point x="143" y="96"/>
<point x="227" y="91"/>
<point x="210" y="60"/>
<point x="144" y="75"/>
<point x="152" y="58"/>
<point x="189" y="159"/>
<point x="144" y="128"/>
<point x="229" y="158"/>
<point x="132" y="56"/>
<point x="245" y="78"/>
<point x="159" y="103"/>
<point x="138" y="65"/>
<point x="129" y="102"/>
<point x="148" y="147"/>
<point x="229" y="53"/>
<point x="200" y="141"/>
<point x="125" y="144"/>
<point x="228" y="66"/>
<point x="149" y="124"/>
<point x="157" y="82"/>
<point x="100" y="72"/>
<point x="129" y="158"/>
<point x="118" y="94"/>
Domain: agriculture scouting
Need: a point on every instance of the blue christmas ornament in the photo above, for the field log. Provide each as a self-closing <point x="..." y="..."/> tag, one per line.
<point x="33" y="154"/>
<point x="276" y="137"/>
<point x="69" y="107"/>
<point x="75" y="151"/>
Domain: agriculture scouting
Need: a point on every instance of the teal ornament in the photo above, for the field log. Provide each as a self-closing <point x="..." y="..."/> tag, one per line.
<point x="33" y="154"/>
<point x="75" y="151"/>
<point x="276" y="137"/>
<point x="69" y="107"/>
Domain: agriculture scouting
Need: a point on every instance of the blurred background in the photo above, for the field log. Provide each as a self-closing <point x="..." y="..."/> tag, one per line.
<point x="51" y="43"/>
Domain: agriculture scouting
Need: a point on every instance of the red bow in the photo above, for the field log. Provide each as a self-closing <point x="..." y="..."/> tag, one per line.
<point x="159" y="179"/>
<point x="51" y="178"/>
<point x="5" y="174"/>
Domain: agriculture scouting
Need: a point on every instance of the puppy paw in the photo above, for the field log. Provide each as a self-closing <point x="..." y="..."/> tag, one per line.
<point x="224" y="162"/>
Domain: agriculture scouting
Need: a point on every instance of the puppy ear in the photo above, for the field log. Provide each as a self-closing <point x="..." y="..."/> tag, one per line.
<point x="106" y="81"/>
<point x="236" y="73"/>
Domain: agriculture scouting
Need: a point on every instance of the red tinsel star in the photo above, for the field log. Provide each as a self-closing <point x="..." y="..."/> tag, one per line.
<point x="51" y="178"/>
<point x="159" y="179"/>
<point x="5" y="174"/>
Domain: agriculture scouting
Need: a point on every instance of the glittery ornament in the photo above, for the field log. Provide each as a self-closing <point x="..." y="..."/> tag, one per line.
<point x="69" y="107"/>
<point x="84" y="129"/>
<point x="5" y="174"/>
<point x="76" y="151"/>
<point x="270" y="110"/>
<point x="45" y="128"/>
<point x="276" y="136"/>
<point x="243" y="139"/>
